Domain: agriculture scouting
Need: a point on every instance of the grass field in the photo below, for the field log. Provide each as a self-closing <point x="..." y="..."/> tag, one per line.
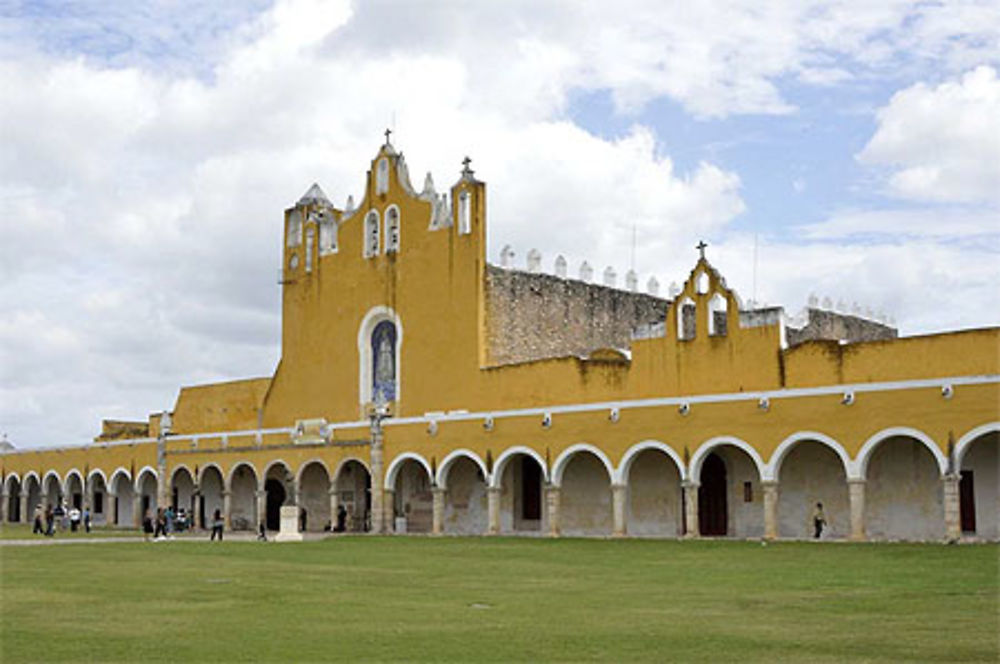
<point x="498" y="600"/>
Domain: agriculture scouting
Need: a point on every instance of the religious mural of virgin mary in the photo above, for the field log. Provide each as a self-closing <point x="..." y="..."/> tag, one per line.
<point x="384" y="359"/>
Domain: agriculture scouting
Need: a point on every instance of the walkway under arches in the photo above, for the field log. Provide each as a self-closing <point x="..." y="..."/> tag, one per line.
<point x="904" y="493"/>
<point x="979" y="485"/>
<point x="353" y="485"/>
<point x="810" y="473"/>
<point x="655" y="500"/>
<point x="314" y="496"/>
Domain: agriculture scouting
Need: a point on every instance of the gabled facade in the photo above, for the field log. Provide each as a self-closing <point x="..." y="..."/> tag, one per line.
<point x="422" y="389"/>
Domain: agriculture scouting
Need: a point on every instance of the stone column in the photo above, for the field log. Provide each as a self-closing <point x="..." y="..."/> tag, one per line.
<point x="438" y="523"/>
<point x="137" y="510"/>
<point x="856" y="489"/>
<point x="770" y="509"/>
<point x="377" y="470"/>
<point x="691" y="509"/>
<point x="4" y="499"/>
<point x="110" y="506"/>
<point x="619" y="501"/>
<point x="552" y="495"/>
<point x="952" y="507"/>
<point x="493" y="510"/>
<point x="334" y="505"/>
<point x="25" y="517"/>
<point x="388" y="511"/>
<point x="227" y="509"/>
<point x="261" y="507"/>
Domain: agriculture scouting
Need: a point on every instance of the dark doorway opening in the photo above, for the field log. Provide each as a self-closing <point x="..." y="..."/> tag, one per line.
<point x="145" y="506"/>
<point x="98" y="503"/>
<point x="531" y="489"/>
<point x="78" y="501"/>
<point x="275" y="499"/>
<point x="14" y="506"/>
<point x="201" y="511"/>
<point x="712" y="508"/>
<point x="967" y="502"/>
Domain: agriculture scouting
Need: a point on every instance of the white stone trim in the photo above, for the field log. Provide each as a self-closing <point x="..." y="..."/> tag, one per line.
<point x="262" y="476"/>
<point x="496" y="476"/>
<point x="179" y="467"/>
<point x="376" y="315"/>
<point x="104" y="478"/>
<point x="31" y="475"/>
<point x="625" y="466"/>
<point x="45" y="480"/>
<point x="388" y="248"/>
<point x="865" y="454"/>
<point x="703" y="451"/>
<point x="79" y="476"/>
<point x="12" y="475"/>
<point x="773" y="467"/>
<point x="138" y="477"/>
<point x="344" y="462"/>
<point x="962" y="446"/>
<point x="232" y="473"/>
<point x="453" y="456"/>
<point x="218" y="469"/>
<point x="397" y="463"/>
<point x="307" y="463"/>
<point x="563" y="460"/>
<point x="114" y="482"/>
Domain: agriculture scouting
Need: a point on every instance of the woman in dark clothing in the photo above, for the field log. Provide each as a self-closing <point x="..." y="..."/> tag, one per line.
<point x="147" y="526"/>
<point x="217" y="524"/>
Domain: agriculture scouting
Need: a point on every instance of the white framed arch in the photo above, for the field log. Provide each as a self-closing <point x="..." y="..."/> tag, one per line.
<point x="179" y="467"/>
<point x="397" y="463"/>
<point x="449" y="461"/>
<point x="305" y="464"/>
<point x="207" y="466"/>
<point x="45" y="480"/>
<point x="228" y="479"/>
<point x="138" y="477"/>
<point x="962" y="446"/>
<point x="496" y="477"/>
<point x="376" y="315"/>
<point x="261" y="477"/>
<point x="31" y="475"/>
<point x="563" y="460"/>
<point x="706" y="448"/>
<point x="392" y="222"/>
<point x="99" y="473"/>
<point x="343" y="462"/>
<point x="773" y="467"/>
<point x="631" y="453"/>
<point x="11" y="476"/>
<point x="114" y="478"/>
<point x="70" y="473"/>
<point x="865" y="454"/>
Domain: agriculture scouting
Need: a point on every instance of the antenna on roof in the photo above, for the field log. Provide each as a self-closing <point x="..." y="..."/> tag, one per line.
<point x="632" y="260"/>
<point x="755" y="268"/>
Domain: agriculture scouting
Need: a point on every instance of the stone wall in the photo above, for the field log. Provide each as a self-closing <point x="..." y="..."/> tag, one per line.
<point x="532" y="316"/>
<point x="830" y="325"/>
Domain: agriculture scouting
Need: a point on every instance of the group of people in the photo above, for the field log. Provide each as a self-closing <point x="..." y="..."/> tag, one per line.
<point x="166" y="523"/>
<point x="53" y="519"/>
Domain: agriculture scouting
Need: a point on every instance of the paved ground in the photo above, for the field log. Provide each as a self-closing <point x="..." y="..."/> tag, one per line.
<point x="196" y="537"/>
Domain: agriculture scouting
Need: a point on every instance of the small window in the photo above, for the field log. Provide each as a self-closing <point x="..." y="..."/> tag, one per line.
<point x="382" y="176"/>
<point x="371" y="234"/>
<point x="310" y="239"/>
<point x="686" y="325"/>
<point x="702" y="282"/>
<point x="717" y="311"/>
<point x="464" y="213"/>
<point x="328" y="237"/>
<point x="99" y="500"/>
<point x="748" y="492"/>
<point x="294" y="228"/>
<point x="392" y="229"/>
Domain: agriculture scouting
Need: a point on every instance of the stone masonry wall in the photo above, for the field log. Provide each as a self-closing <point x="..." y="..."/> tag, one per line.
<point x="532" y="315"/>
<point x="844" y="327"/>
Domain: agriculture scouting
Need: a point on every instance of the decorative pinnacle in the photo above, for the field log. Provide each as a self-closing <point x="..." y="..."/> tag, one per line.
<point x="701" y="248"/>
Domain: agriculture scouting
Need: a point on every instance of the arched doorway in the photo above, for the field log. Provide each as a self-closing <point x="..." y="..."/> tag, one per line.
<point x="99" y="500"/>
<point x="585" y="497"/>
<point x="124" y="498"/>
<point x="466" y="509"/>
<point x="53" y="490"/>
<point x="904" y="492"/>
<point x="713" y="506"/>
<point x="74" y="491"/>
<point x="243" y="498"/>
<point x="412" y="497"/>
<point x="812" y="473"/>
<point x="979" y="502"/>
<point x="354" y="484"/>
<point x="654" y="495"/>
<point x="314" y="496"/>
<point x="14" y="500"/>
<point x="522" y="479"/>
<point x="730" y="502"/>
<point x="182" y="494"/>
<point x="146" y="487"/>
<point x="276" y="497"/>
<point x="34" y="490"/>
<point x="210" y="488"/>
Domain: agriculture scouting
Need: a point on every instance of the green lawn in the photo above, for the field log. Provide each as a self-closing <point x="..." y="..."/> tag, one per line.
<point x="498" y="599"/>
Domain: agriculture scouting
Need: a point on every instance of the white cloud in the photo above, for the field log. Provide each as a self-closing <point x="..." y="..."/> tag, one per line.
<point x="942" y="143"/>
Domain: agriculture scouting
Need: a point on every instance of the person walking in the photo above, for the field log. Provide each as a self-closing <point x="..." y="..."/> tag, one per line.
<point x="147" y="526"/>
<point x="262" y="532"/>
<point x="168" y="515"/>
<point x="86" y="518"/>
<point x="217" y="524"/>
<point x="819" y="521"/>
<point x="49" y="521"/>
<point x="36" y="527"/>
<point x="74" y="519"/>
<point x="160" y="530"/>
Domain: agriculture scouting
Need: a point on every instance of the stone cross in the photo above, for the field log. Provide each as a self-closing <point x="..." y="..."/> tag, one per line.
<point x="387" y="133"/>
<point x="701" y="248"/>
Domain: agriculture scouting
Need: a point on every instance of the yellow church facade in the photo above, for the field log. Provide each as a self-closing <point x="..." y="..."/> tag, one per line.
<point x="421" y="389"/>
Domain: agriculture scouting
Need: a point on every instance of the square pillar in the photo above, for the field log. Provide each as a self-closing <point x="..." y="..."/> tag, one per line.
<point x="4" y="499"/>
<point x="137" y="510"/>
<point x="334" y="506"/>
<point x="227" y="509"/>
<point x="261" y="508"/>
<point x="619" y="501"/>
<point x="856" y="493"/>
<point x="493" y="510"/>
<point x="438" y="523"/>
<point x="770" y="509"/>
<point x="388" y="511"/>
<point x="552" y="498"/>
<point x="25" y="517"/>
<point x="691" y="529"/>
<point x="952" y="507"/>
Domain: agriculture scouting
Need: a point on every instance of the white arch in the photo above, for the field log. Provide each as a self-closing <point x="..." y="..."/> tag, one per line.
<point x="218" y="469"/>
<point x="45" y="481"/>
<point x="497" y="476"/>
<point x="773" y="467"/>
<point x="865" y="454"/>
<point x="634" y="451"/>
<point x="397" y="463"/>
<point x="376" y="315"/>
<point x="180" y="467"/>
<point x="306" y="464"/>
<point x="340" y="467"/>
<point x="448" y="461"/>
<point x="962" y="446"/>
<point x="97" y="471"/>
<point x="31" y="475"/>
<point x="718" y="441"/>
<point x="563" y="460"/>
<point x="262" y="477"/>
<point x="70" y="473"/>
<point x="228" y="479"/>
<point x="6" y="483"/>
<point x="114" y="478"/>
<point x="137" y="486"/>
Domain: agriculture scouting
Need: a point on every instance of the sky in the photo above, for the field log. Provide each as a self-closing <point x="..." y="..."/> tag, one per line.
<point x="849" y="150"/>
